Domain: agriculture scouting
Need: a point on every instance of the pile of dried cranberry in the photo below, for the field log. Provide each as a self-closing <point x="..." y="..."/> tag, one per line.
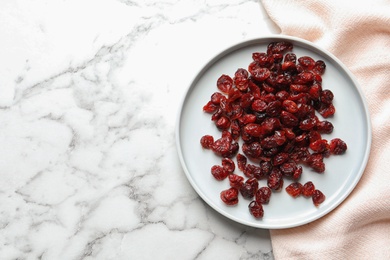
<point x="271" y="108"/>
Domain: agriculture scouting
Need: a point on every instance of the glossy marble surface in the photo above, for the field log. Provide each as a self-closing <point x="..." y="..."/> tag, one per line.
<point x="89" y="93"/>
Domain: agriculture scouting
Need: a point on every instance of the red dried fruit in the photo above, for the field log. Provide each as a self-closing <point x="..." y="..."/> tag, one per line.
<point x="289" y="66"/>
<point x="294" y="189"/>
<point x="262" y="59"/>
<point x="259" y="105"/>
<point x="263" y="195"/>
<point x="224" y="146"/>
<point x="297" y="173"/>
<point x="241" y="79"/>
<point x="266" y="167"/>
<point x="288" y="119"/>
<point x="314" y="136"/>
<point x="272" y="106"/>
<point x="241" y="161"/>
<point x="308" y="123"/>
<point x="318" y="197"/>
<point x="252" y="150"/>
<point x="207" y="141"/>
<point x="257" y="72"/>
<point x="249" y="188"/>
<point x="246" y="100"/>
<point x="236" y="181"/>
<point x="256" y="209"/>
<point x="319" y="67"/>
<point x="219" y="172"/>
<point x="288" y="168"/>
<point x="280" y="158"/>
<point x="279" y="47"/>
<point x="225" y="83"/>
<point x="337" y="146"/>
<point x="223" y="123"/>
<point x="327" y="110"/>
<point x="308" y="189"/>
<point x="326" y="96"/>
<point x="299" y="88"/>
<point x="324" y="127"/>
<point x="290" y="57"/>
<point x="315" y="91"/>
<point x="290" y="106"/>
<point x="307" y="62"/>
<point x="210" y="107"/>
<point x="275" y="181"/>
<point x="304" y="78"/>
<point x="228" y="165"/>
<point x="216" y="98"/>
<point x="319" y="146"/>
<point x="229" y="196"/>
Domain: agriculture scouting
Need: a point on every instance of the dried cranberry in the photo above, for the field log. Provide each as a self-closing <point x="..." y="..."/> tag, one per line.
<point x="308" y="123"/>
<point x="225" y="83"/>
<point x="288" y="168"/>
<point x="263" y="195"/>
<point x="259" y="105"/>
<point x="272" y="106"/>
<point x="236" y="181"/>
<point x="308" y="189"/>
<point x="297" y="173"/>
<point x="266" y="167"/>
<point x="324" y="127"/>
<point x="314" y="136"/>
<point x="249" y="188"/>
<point x="290" y="106"/>
<point x="290" y="57"/>
<point x="241" y="79"/>
<point x="252" y="150"/>
<point x="307" y="62"/>
<point x="223" y="123"/>
<point x="327" y="110"/>
<point x="219" y="172"/>
<point x="229" y="196"/>
<point x="320" y="67"/>
<point x="246" y="100"/>
<point x="210" y="107"/>
<point x="279" y="47"/>
<point x="262" y="59"/>
<point x="319" y="146"/>
<point x="207" y="141"/>
<point x="294" y="189"/>
<point x="318" y="197"/>
<point x="289" y="66"/>
<point x="288" y="119"/>
<point x="216" y="98"/>
<point x="253" y="171"/>
<point x="280" y="158"/>
<point x="326" y="96"/>
<point x="247" y="119"/>
<point x="228" y="165"/>
<point x="241" y="161"/>
<point x="337" y="146"/>
<point x="256" y="209"/>
<point x="275" y="181"/>
<point x="316" y="162"/>
<point x="257" y="72"/>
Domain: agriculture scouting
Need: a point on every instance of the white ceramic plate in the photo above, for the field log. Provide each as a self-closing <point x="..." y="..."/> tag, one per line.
<point x="351" y="123"/>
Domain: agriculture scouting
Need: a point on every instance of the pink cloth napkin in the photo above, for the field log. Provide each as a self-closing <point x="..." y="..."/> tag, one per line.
<point x="358" y="33"/>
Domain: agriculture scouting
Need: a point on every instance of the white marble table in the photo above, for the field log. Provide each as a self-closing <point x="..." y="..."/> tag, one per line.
<point x="89" y="93"/>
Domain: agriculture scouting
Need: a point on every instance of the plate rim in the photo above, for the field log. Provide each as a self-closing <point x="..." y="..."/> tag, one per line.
<point x="244" y="43"/>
